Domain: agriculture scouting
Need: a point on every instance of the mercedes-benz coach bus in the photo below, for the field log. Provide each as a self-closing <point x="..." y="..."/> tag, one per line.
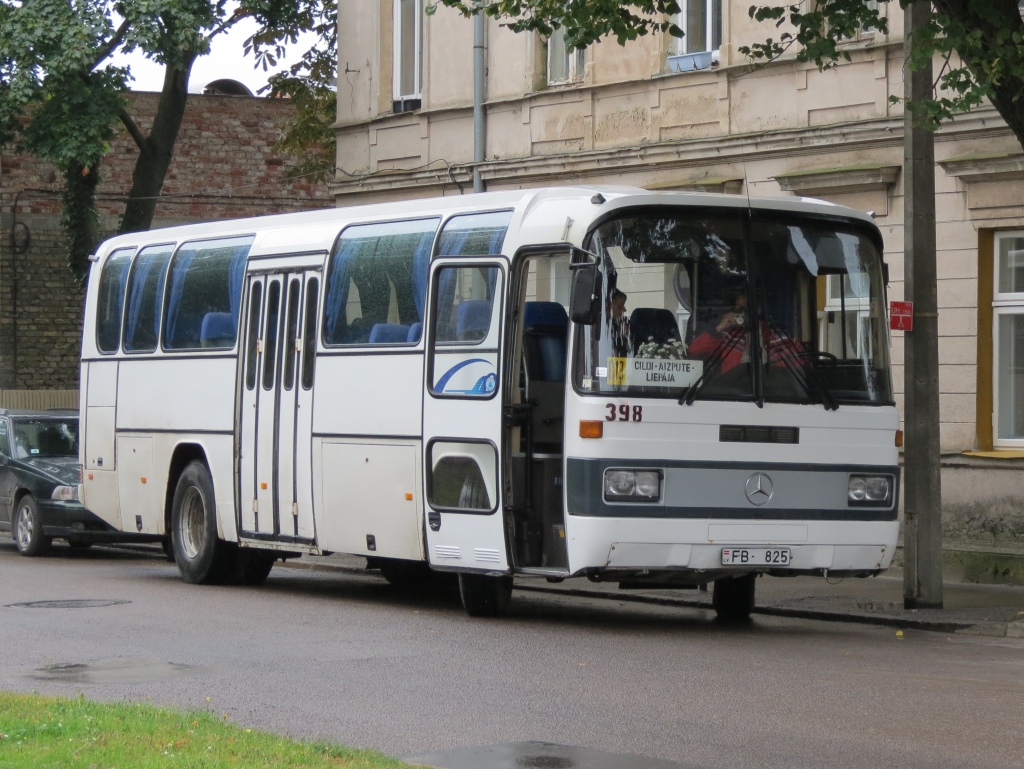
<point x="650" y="389"/>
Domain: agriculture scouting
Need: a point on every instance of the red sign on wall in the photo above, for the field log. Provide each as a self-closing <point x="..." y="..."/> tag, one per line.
<point x="901" y="316"/>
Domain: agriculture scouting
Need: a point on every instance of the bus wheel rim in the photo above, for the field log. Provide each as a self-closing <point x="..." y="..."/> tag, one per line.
<point x="193" y="522"/>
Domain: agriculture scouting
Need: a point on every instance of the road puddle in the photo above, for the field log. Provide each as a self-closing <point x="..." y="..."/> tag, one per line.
<point x="537" y="755"/>
<point x="117" y="671"/>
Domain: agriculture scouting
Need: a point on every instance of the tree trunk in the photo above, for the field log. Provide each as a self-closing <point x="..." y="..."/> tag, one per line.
<point x="999" y="15"/>
<point x="156" y="150"/>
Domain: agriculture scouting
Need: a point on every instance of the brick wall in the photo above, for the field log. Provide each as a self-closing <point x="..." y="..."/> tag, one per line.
<point x="223" y="168"/>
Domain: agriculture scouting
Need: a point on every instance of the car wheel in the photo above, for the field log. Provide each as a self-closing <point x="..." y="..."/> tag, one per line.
<point x="202" y="558"/>
<point x="28" y="528"/>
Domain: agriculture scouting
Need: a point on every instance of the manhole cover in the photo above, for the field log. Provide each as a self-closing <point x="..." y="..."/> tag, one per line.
<point x="74" y="603"/>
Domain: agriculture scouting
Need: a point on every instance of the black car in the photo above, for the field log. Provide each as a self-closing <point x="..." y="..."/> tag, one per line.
<point x="39" y="478"/>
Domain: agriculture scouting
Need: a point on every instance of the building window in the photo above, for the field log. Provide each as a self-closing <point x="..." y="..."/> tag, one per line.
<point x="1008" y="339"/>
<point x="408" y="55"/>
<point x="564" y="66"/>
<point x="701" y="22"/>
<point x="864" y="33"/>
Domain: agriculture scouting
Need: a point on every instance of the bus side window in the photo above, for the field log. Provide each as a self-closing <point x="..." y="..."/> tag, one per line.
<point x="110" y="303"/>
<point x="375" y="283"/>
<point x="270" y="346"/>
<point x="204" y="290"/>
<point x="464" y="355"/>
<point x="145" y="291"/>
<point x="291" y="333"/>
<point x="253" y="337"/>
<point x="309" y="334"/>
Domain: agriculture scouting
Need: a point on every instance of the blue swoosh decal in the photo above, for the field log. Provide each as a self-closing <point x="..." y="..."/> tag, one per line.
<point x="453" y="370"/>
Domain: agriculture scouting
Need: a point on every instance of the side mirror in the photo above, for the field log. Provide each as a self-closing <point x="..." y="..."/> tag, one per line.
<point x="585" y="299"/>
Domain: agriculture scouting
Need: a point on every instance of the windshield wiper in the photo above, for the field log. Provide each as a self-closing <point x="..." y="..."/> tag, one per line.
<point x="804" y="376"/>
<point x="711" y="365"/>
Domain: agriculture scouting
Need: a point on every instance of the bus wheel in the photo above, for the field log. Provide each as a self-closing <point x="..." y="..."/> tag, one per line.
<point x="202" y="558"/>
<point x="733" y="598"/>
<point x="484" y="596"/>
<point x="251" y="567"/>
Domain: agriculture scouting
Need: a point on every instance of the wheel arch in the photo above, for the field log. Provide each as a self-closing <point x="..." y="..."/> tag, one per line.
<point x="183" y="455"/>
<point x="19" y="494"/>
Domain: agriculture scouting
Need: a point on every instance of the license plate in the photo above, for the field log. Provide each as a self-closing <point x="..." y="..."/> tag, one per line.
<point x="756" y="556"/>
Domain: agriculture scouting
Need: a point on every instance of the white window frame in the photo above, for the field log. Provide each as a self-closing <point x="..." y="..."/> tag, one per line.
<point x="1004" y="304"/>
<point x="680" y="45"/>
<point x="399" y="47"/>
<point x="574" y="62"/>
<point x="858" y="309"/>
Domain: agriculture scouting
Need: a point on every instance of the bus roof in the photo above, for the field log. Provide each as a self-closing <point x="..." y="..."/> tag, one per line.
<point x="577" y="207"/>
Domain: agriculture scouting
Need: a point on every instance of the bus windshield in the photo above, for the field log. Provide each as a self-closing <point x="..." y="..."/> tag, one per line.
<point x="737" y="305"/>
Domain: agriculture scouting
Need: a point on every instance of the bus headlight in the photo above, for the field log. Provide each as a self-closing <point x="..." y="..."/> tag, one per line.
<point x="870" y="490"/>
<point x="632" y="485"/>
<point x="65" y="493"/>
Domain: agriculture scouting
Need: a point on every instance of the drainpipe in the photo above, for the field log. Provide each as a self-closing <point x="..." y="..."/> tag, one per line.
<point x="479" y="78"/>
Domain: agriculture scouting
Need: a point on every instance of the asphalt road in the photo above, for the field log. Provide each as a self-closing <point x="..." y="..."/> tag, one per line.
<point x="350" y="659"/>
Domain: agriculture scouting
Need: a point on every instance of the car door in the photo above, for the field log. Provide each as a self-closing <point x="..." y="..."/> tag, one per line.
<point x="7" y="479"/>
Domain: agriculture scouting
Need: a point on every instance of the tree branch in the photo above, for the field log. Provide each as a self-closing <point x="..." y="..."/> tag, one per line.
<point x="132" y="128"/>
<point x="111" y="45"/>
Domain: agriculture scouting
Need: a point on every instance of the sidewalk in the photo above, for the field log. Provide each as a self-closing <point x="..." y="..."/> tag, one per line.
<point x="968" y="608"/>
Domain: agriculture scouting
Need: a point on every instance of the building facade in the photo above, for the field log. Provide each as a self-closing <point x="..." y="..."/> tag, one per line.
<point x="224" y="167"/>
<point x="691" y="114"/>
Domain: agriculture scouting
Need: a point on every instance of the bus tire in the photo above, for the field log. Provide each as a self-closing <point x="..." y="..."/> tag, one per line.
<point x="251" y="567"/>
<point x="484" y="596"/>
<point x="202" y="558"/>
<point x="733" y="598"/>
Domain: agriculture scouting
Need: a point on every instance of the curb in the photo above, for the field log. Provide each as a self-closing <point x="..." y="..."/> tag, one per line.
<point x="990" y="628"/>
<point x="987" y="628"/>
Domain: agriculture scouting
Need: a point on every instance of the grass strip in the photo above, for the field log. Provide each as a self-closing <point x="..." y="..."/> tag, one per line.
<point x="42" y="732"/>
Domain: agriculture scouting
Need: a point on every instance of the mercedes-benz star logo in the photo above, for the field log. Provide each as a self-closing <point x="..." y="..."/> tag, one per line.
<point x="759" y="489"/>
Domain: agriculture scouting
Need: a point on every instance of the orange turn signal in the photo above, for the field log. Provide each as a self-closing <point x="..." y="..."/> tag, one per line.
<point x="591" y="428"/>
<point x="899" y="439"/>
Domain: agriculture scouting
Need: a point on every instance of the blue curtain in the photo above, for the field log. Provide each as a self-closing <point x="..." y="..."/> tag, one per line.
<point x="337" y="290"/>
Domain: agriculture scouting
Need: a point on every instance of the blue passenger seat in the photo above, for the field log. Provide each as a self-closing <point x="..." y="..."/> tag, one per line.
<point x="473" y="320"/>
<point x="389" y="333"/>
<point x="415" y="331"/>
<point x="217" y="330"/>
<point x="545" y="340"/>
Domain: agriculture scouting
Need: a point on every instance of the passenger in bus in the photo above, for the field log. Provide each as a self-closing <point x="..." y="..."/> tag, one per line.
<point x="728" y="340"/>
<point x="621" y="332"/>
<point x="726" y="337"/>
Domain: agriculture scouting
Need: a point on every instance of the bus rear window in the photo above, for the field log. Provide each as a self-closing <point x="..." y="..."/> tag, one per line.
<point x="110" y="302"/>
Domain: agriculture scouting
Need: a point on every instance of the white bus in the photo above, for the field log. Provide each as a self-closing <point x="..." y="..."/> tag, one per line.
<point x="650" y="389"/>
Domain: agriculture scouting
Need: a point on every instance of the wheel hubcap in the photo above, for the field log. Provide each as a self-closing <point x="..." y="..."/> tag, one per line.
<point x="25" y="526"/>
<point x="193" y="522"/>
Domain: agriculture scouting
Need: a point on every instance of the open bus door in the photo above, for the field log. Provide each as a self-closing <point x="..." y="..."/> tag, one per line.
<point x="462" y="430"/>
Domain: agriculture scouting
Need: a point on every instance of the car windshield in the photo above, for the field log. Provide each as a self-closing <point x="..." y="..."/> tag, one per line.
<point x="45" y="437"/>
<point x="737" y="305"/>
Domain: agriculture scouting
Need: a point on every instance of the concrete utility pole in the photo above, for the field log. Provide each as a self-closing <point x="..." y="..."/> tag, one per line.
<point x="922" y="491"/>
<point x="479" y="81"/>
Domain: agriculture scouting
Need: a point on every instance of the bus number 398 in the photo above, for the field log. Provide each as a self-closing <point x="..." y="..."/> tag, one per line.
<point x="624" y="413"/>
